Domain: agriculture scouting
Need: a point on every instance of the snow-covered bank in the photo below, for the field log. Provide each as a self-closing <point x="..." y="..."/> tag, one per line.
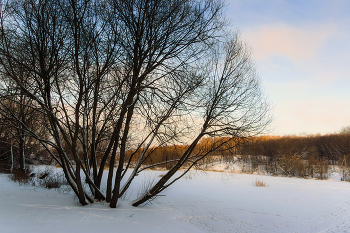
<point x="203" y="202"/>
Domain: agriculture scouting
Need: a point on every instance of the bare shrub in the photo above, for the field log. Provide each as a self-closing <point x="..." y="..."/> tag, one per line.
<point x="51" y="180"/>
<point x="21" y="176"/>
<point x="345" y="167"/>
<point x="322" y="168"/>
<point x="345" y="172"/>
<point x="292" y="166"/>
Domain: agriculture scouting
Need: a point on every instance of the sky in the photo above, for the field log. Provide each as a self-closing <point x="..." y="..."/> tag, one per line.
<point x="301" y="49"/>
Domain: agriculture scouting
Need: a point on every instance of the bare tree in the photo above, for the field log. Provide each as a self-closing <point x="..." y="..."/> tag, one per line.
<point x="17" y="112"/>
<point x="98" y="71"/>
<point x="345" y="130"/>
<point x="231" y="106"/>
<point x="13" y="110"/>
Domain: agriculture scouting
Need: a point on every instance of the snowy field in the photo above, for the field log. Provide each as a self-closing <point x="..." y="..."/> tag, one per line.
<point x="202" y="202"/>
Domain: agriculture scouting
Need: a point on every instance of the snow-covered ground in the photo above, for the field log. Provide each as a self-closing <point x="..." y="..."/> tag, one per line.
<point x="202" y="202"/>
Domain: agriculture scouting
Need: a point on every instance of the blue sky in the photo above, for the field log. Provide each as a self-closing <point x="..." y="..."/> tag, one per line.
<point x="302" y="53"/>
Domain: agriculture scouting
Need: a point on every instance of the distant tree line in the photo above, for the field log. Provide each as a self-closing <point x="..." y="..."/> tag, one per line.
<point x="300" y="156"/>
<point x="330" y="147"/>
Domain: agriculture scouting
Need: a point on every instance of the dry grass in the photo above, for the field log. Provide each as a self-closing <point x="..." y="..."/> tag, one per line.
<point x="259" y="183"/>
<point x="213" y="170"/>
<point x="157" y="168"/>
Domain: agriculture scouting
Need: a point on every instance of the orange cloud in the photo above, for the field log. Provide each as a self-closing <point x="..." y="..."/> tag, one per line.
<point x="299" y="44"/>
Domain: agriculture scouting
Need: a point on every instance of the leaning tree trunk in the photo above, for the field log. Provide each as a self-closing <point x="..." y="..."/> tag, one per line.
<point x="160" y="185"/>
